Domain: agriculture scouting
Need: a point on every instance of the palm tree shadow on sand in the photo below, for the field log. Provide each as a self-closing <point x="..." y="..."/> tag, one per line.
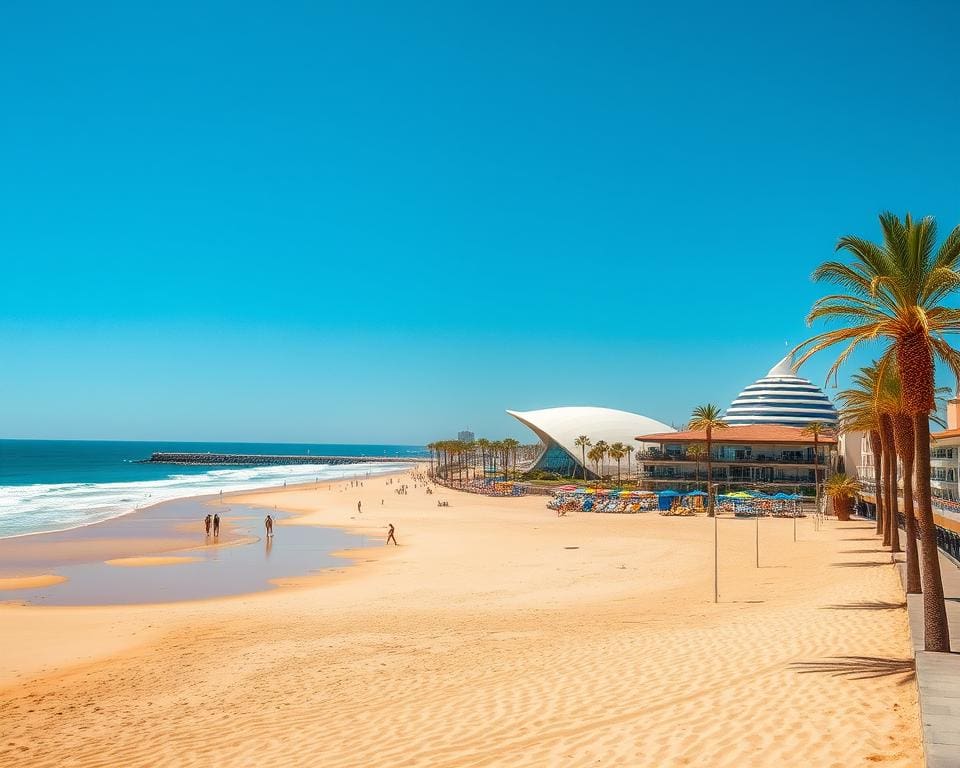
<point x="857" y="565"/>
<point x="859" y="668"/>
<point x="866" y="605"/>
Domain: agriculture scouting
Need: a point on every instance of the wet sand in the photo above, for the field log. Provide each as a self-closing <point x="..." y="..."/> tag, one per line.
<point x="188" y="565"/>
<point x="496" y="634"/>
<point x="165" y="527"/>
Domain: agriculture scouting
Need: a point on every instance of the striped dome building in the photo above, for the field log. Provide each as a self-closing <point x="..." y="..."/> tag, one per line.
<point x="781" y="397"/>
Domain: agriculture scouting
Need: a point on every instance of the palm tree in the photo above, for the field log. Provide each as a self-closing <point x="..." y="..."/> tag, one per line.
<point x="583" y="442"/>
<point x="596" y="455"/>
<point x="815" y="429"/>
<point x="603" y="451"/>
<point x="697" y="452"/>
<point x="484" y="445"/>
<point x="706" y="418"/>
<point x="510" y="446"/>
<point x="617" y="451"/>
<point x="895" y="291"/>
<point x="628" y="449"/>
<point x="904" y="447"/>
<point x="859" y="412"/>
<point x="842" y="490"/>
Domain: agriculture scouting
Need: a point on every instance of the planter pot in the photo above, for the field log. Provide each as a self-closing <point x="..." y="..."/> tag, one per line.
<point x="842" y="507"/>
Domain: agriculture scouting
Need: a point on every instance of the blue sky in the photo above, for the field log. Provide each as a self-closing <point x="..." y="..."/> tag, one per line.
<point x="383" y="222"/>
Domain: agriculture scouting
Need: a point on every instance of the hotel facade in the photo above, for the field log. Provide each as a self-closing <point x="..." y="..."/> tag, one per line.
<point x="763" y="449"/>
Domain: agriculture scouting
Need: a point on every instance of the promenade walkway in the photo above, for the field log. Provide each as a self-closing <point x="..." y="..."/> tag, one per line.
<point x="938" y="674"/>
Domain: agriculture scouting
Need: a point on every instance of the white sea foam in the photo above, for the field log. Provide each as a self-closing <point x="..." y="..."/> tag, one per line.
<point x="61" y="506"/>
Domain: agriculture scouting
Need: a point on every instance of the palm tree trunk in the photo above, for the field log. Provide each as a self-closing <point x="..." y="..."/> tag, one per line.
<point x="878" y="476"/>
<point x="936" y="632"/>
<point x="891" y="533"/>
<point x="903" y="440"/>
<point x="884" y="441"/>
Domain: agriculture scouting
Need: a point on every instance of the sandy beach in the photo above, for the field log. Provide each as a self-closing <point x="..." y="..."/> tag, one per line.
<point x="496" y="634"/>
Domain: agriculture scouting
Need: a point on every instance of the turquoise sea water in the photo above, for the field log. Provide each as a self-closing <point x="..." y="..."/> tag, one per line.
<point x="51" y="485"/>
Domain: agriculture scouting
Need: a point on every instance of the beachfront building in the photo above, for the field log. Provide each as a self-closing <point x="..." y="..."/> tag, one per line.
<point x="466" y="436"/>
<point x="945" y="458"/>
<point x="781" y="397"/>
<point x="559" y="428"/>
<point x="765" y="457"/>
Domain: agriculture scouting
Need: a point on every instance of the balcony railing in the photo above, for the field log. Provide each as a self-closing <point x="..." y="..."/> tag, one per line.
<point x="667" y="457"/>
<point x="723" y="477"/>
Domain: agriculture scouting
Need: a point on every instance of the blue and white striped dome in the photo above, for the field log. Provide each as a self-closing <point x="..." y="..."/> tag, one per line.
<point x="781" y="397"/>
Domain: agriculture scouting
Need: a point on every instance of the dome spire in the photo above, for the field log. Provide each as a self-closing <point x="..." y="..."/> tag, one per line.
<point x="784" y="368"/>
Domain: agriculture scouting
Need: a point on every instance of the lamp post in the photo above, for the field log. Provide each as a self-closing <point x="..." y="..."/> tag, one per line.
<point x="757" y="516"/>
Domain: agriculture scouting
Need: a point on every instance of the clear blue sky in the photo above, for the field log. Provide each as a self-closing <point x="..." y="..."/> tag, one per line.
<point x="378" y="222"/>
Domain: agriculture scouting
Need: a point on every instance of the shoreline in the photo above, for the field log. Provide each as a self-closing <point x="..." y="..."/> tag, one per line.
<point x="188" y="497"/>
<point x="169" y="533"/>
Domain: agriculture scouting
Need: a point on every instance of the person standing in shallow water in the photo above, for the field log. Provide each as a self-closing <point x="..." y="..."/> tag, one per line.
<point x="390" y="535"/>
<point x="358" y="508"/>
<point x="216" y="524"/>
<point x="206" y="523"/>
<point x="269" y="525"/>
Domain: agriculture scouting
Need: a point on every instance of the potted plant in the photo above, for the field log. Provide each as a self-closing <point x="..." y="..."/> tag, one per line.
<point x="842" y="490"/>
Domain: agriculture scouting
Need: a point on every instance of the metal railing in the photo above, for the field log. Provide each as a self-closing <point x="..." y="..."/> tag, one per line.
<point x="667" y="457"/>
<point x="948" y="541"/>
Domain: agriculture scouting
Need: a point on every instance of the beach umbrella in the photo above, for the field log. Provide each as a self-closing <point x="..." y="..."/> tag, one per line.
<point x="695" y="493"/>
<point x="568" y="487"/>
<point x="668" y="492"/>
<point x="782" y="496"/>
<point x="739" y="495"/>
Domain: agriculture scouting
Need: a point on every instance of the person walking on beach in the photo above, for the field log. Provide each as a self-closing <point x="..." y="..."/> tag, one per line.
<point x="390" y="536"/>
<point x="358" y="508"/>
<point x="216" y="524"/>
<point x="206" y="523"/>
<point x="269" y="524"/>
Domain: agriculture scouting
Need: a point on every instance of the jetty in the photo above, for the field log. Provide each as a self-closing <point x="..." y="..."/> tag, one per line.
<point x="259" y="459"/>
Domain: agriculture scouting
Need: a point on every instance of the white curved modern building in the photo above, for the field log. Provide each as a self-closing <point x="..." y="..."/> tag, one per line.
<point x="558" y="429"/>
<point x="781" y="397"/>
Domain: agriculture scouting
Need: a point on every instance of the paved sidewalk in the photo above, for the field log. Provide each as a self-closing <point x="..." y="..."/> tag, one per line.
<point x="938" y="674"/>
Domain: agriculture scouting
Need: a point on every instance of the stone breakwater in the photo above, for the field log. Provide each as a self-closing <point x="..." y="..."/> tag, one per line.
<point x="239" y="459"/>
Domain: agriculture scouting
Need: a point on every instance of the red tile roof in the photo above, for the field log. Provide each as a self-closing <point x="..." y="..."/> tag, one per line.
<point x="945" y="434"/>
<point x="754" y="433"/>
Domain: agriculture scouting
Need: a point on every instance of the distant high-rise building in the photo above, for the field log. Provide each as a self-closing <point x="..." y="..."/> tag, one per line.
<point x="466" y="436"/>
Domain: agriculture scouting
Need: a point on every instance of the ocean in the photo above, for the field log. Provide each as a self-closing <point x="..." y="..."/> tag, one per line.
<point x="55" y="485"/>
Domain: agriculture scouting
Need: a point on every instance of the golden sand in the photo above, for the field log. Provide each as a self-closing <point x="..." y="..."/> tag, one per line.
<point x="31" y="582"/>
<point x="496" y="635"/>
<point x="140" y="562"/>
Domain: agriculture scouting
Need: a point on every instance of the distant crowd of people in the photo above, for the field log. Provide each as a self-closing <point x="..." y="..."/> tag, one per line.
<point x="211" y="522"/>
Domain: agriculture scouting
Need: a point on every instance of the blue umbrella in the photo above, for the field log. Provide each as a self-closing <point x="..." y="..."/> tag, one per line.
<point x="695" y="493"/>
<point x="667" y="493"/>
<point x="783" y="495"/>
